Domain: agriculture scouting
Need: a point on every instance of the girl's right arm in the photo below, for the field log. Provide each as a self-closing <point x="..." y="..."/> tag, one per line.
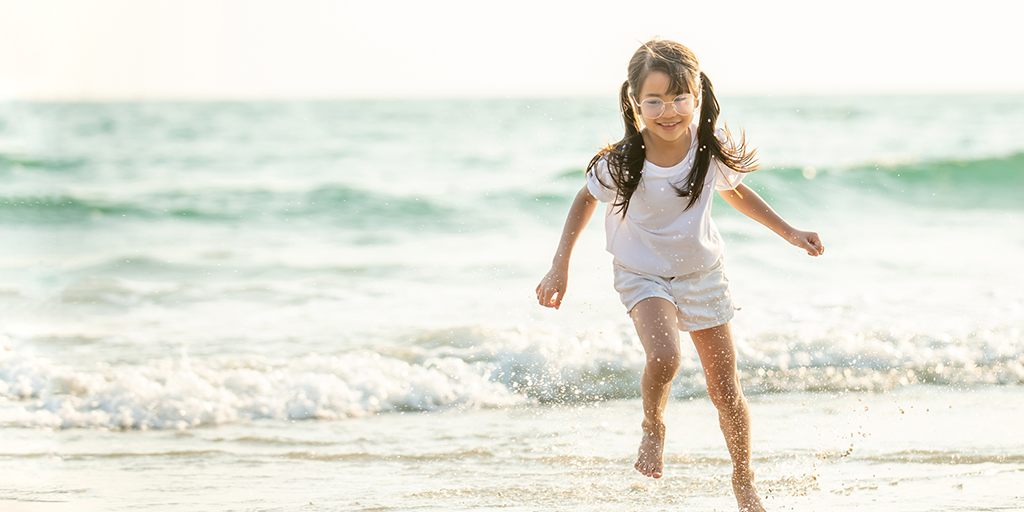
<point x="551" y="289"/>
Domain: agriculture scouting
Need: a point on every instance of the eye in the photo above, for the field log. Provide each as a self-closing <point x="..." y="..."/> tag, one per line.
<point x="683" y="98"/>
<point x="654" y="102"/>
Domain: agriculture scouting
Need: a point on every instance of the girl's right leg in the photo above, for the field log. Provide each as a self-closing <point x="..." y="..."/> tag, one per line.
<point x="655" y="321"/>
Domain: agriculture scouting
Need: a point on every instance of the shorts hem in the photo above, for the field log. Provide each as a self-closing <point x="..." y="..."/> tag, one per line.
<point x="629" y="307"/>
<point x="722" y="320"/>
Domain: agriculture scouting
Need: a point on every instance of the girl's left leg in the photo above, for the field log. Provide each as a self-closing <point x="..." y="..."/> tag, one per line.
<point x="718" y="357"/>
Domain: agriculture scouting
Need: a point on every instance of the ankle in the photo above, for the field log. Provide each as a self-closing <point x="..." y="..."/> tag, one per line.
<point x="653" y="427"/>
<point x="742" y="477"/>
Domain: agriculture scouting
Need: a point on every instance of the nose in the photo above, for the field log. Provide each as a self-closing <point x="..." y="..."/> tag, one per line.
<point x="668" y="105"/>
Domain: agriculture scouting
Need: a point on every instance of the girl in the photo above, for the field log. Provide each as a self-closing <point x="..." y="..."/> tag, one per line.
<point x="668" y="270"/>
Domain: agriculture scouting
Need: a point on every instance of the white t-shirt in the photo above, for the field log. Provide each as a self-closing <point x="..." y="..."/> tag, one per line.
<point x="656" y="236"/>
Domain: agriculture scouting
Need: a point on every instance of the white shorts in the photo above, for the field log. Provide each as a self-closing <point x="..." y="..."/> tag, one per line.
<point x="702" y="299"/>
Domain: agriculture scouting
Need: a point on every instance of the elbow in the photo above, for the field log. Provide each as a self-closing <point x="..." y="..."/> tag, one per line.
<point x="586" y="198"/>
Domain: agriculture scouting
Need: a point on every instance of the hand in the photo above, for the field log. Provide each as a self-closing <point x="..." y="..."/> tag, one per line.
<point x="551" y="289"/>
<point x="808" y="241"/>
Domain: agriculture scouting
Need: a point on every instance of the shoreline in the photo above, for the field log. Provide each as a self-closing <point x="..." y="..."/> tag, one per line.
<point x="904" y="450"/>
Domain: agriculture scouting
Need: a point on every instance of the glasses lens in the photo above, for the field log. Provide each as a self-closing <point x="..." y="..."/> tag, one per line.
<point x="684" y="105"/>
<point x="652" y="108"/>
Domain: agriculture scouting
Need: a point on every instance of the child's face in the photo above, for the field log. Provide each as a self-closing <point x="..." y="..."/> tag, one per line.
<point x="670" y="126"/>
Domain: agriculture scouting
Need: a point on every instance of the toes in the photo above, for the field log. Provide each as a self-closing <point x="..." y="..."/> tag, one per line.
<point x="649" y="471"/>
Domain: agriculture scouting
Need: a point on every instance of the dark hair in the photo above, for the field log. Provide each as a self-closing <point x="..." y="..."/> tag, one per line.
<point x="626" y="157"/>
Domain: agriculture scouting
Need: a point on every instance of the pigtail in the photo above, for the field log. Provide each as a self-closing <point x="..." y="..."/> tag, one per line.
<point x="736" y="157"/>
<point x="632" y="124"/>
<point x="625" y="158"/>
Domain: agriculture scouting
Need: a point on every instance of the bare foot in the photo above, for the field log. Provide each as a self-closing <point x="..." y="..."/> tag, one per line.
<point x="746" y="493"/>
<point x="649" y="461"/>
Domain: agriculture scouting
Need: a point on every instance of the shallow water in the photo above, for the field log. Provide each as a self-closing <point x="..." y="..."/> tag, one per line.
<point x="814" y="451"/>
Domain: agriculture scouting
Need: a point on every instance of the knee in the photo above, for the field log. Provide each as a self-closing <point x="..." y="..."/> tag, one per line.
<point x="664" y="362"/>
<point x="726" y="396"/>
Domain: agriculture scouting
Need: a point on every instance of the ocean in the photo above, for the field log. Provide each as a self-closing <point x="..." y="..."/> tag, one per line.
<point x="329" y="305"/>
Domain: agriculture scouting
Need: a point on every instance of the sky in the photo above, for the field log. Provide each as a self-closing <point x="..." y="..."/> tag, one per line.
<point x="258" y="49"/>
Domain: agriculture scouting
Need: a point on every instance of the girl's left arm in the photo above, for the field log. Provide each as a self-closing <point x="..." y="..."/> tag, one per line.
<point x="750" y="204"/>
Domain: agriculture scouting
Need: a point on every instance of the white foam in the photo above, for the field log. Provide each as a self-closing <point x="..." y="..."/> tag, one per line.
<point x="474" y="367"/>
<point x="187" y="393"/>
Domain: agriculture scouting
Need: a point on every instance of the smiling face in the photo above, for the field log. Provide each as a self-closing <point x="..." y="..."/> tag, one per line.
<point x="670" y="127"/>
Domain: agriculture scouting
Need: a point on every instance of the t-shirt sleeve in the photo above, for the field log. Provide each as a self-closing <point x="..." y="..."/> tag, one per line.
<point x="725" y="177"/>
<point x="599" y="180"/>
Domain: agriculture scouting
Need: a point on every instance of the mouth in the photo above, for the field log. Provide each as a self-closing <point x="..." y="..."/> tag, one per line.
<point x="669" y="126"/>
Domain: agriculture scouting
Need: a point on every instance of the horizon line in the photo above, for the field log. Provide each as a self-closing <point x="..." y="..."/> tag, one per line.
<point x="448" y="97"/>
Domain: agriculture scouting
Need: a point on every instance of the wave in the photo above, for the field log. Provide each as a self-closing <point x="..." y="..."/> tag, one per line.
<point x="183" y="394"/>
<point x="12" y="162"/>
<point x="982" y="182"/>
<point x="474" y="367"/>
<point x="339" y="205"/>
<point x="975" y="172"/>
<point x="972" y="183"/>
<point x="63" y="209"/>
<point x="979" y="183"/>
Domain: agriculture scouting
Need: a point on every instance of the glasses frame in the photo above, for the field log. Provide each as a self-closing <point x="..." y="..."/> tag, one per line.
<point x="639" y="107"/>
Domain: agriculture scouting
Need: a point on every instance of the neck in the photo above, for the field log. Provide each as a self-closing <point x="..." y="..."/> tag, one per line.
<point x="665" y="153"/>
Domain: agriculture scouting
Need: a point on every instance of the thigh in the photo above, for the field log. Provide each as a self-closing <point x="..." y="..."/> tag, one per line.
<point x="717" y="355"/>
<point x="656" y="324"/>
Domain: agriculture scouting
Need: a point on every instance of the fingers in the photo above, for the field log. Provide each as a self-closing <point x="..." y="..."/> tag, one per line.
<point x="813" y="245"/>
<point x="554" y="298"/>
<point x="551" y="289"/>
<point x="549" y="297"/>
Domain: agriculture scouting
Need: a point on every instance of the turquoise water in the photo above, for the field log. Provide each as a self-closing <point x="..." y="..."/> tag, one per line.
<point x="282" y="276"/>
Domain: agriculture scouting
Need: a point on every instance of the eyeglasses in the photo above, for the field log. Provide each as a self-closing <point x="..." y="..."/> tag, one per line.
<point x="653" y="108"/>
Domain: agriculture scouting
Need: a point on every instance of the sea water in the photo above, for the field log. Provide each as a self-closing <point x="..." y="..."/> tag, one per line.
<point x="329" y="306"/>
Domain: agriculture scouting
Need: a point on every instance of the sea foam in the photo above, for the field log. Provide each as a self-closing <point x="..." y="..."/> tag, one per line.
<point x="469" y="368"/>
<point x="188" y="393"/>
